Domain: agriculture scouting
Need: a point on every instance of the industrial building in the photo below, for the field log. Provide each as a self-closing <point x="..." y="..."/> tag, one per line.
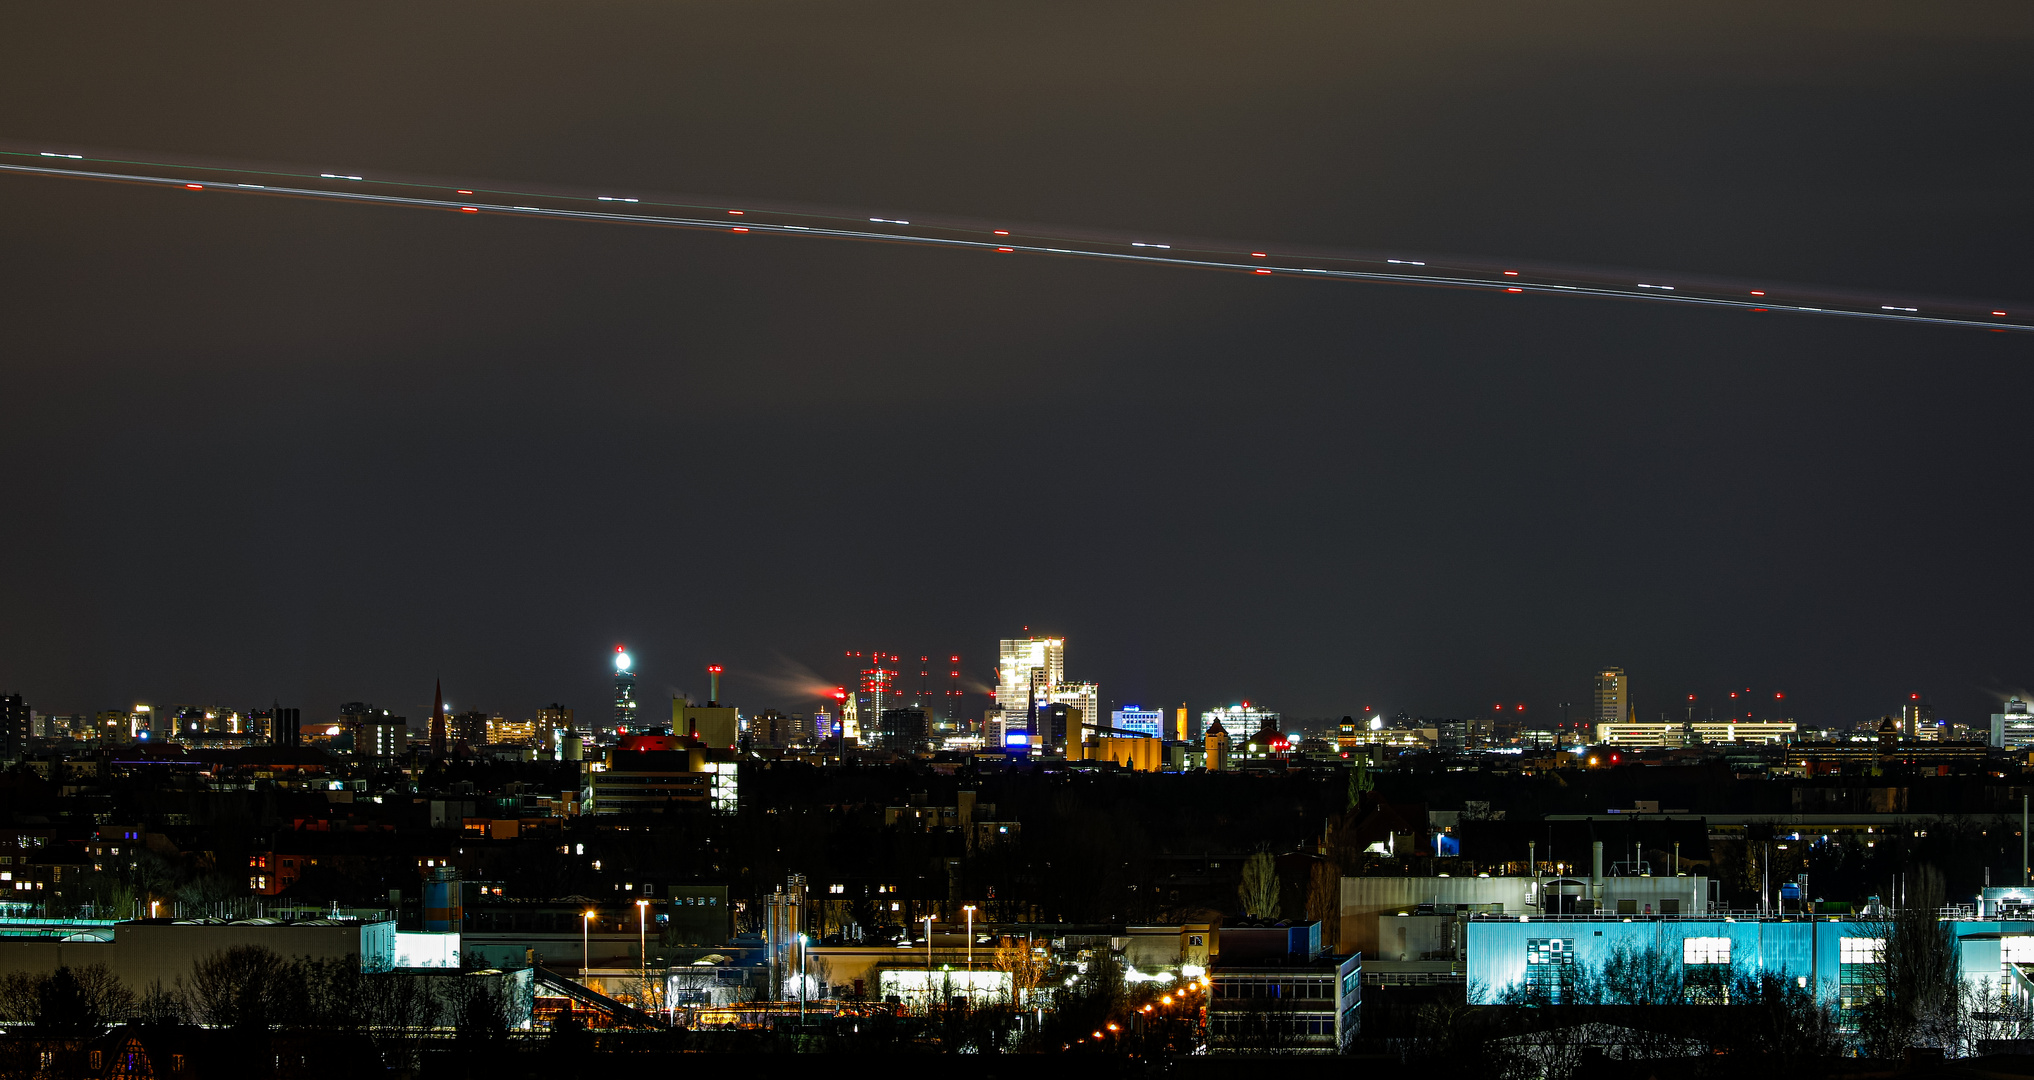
<point x="143" y="952"/>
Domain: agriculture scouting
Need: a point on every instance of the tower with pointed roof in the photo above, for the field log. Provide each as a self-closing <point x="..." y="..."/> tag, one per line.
<point x="438" y="720"/>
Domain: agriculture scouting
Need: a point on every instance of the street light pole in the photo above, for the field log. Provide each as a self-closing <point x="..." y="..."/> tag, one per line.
<point x="928" y="961"/>
<point x="801" y="982"/>
<point x="643" y="936"/>
<point x="585" y="944"/>
<point x="970" y="909"/>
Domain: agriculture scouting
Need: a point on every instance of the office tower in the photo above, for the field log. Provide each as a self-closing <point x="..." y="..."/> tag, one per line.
<point x="1238" y="718"/>
<point x="141" y="723"/>
<point x="1087" y="699"/>
<point x="904" y="730"/>
<point x="1029" y="667"/>
<point x="624" y="691"/>
<point x="1917" y="720"/>
<point x="1613" y="696"/>
<point x="1059" y="725"/>
<point x="1032" y="677"/>
<point x="286" y="726"/>
<point x="2013" y="726"/>
<point x="1131" y="720"/>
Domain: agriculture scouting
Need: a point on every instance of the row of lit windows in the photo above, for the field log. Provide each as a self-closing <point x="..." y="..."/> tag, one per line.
<point x="1232" y="988"/>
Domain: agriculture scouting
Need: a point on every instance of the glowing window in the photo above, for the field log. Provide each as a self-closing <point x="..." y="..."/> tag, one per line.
<point x="1705" y="950"/>
<point x="1862" y="950"/>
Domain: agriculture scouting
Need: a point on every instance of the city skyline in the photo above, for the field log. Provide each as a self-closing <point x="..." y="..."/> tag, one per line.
<point x="766" y="692"/>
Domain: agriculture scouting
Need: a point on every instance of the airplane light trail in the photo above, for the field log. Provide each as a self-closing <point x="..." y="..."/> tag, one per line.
<point x="1257" y="261"/>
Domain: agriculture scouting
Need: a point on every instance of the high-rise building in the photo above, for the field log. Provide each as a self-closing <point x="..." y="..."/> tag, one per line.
<point x="16" y="719"/>
<point x="773" y="728"/>
<point x="1613" y="696"/>
<point x="286" y="726"/>
<point x="1058" y="725"/>
<point x="470" y="728"/>
<point x="381" y="737"/>
<point x="876" y="692"/>
<point x="1917" y="720"/>
<point x="500" y="729"/>
<point x="624" y="691"/>
<point x="1029" y="667"/>
<point x="1134" y="721"/>
<point x="2013" y="726"/>
<point x="1238" y="718"/>
<point x="714" y="725"/>
<point x="141" y="723"/>
<point x="1086" y="697"/>
<point x="904" y="730"/>
<point x="556" y="735"/>
<point x="1030" y="678"/>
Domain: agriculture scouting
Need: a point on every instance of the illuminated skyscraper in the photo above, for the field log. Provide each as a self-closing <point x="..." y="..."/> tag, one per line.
<point x="1029" y="667"/>
<point x="876" y="693"/>
<point x="624" y="691"/>
<point x="1236" y="719"/>
<point x="1032" y="678"/>
<point x="1613" y="696"/>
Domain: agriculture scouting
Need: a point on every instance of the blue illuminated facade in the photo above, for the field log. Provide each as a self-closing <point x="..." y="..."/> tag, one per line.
<point x="1131" y="720"/>
<point x="1544" y="955"/>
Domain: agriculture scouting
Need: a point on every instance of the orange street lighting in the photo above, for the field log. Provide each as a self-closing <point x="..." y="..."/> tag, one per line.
<point x="643" y="934"/>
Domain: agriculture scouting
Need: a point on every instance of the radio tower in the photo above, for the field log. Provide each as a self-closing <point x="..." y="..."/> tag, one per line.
<point x="924" y="690"/>
<point x="953" y="691"/>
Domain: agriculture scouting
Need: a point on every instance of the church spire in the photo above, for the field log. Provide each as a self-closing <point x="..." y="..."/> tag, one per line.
<point x="438" y="720"/>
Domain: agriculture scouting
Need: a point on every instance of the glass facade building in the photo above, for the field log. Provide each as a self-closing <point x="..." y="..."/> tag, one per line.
<point x="624" y="691"/>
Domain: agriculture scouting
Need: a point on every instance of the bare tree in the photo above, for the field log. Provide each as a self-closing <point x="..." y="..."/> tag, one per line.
<point x="1912" y="994"/>
<point x="1258" y="890"/>
<point x="1324" y="901"/>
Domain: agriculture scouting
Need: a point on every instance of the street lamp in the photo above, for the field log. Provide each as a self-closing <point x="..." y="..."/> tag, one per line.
<point x="643" y="935"/>
<point x="801" y="982"/>
<point x="928" y="960"/>
<point x="970" y="909"/>
<point x="585" y="944"/>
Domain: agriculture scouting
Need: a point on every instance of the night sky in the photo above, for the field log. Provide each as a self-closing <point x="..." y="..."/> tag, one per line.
<point x="262" y="449"/>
